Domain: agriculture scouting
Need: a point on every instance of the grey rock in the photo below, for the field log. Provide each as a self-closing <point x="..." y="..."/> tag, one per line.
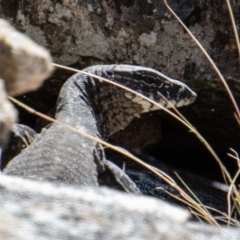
<point x="34" y="210"/>
<point x="8" y="114"/>
<point x="23" y="67"/>
<point x="23" y="64"/>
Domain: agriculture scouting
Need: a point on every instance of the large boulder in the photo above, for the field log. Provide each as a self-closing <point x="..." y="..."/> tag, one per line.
<point x="34" y="210"/>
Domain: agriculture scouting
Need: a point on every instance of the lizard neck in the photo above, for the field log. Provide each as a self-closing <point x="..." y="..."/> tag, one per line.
<point x="111" y="109"/>
<point x="114" y="110"/>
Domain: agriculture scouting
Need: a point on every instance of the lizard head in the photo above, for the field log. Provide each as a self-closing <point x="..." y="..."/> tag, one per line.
<point x="117" y="107"/>
<point x="150" y="83"/>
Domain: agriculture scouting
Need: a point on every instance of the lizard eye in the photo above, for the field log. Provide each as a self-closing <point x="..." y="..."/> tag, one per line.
<point x="148" y="80"/>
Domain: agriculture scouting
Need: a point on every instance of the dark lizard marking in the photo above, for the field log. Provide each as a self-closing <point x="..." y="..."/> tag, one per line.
<point x="20" y="137"/>
<point x="100" y="110"/>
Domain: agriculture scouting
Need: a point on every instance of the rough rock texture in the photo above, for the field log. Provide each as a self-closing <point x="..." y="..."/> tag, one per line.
<point x="131" y="31"/>
<point x="8" y="114"/>
<point x="33" y="210"/>
<point x="23" y="64"/>
<point x="23" y="67"/>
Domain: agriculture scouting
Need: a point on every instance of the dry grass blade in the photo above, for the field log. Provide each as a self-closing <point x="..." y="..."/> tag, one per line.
<point x="234" y="26"/>
<point x="227" y="218"/>
<point x="208" y="58"/>
<point x="237" y="119"/>
<point x="200" y="211"/>
<point x="226" y="175"/>
<point x="234" y="195"/>
<point x="190" y="191"/>
<point x="177" y="112"/>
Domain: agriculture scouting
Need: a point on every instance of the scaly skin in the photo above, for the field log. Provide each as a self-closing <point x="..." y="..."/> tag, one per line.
<point x="100" y="110"/>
